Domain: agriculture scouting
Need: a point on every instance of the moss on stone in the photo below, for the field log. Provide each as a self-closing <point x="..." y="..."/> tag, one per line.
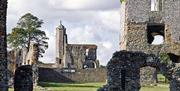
<point x="122" y="1"/>
<point x="165" y="58"/>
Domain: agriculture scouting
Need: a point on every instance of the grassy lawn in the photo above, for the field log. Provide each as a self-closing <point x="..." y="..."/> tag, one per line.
<point x="159" y="87"/>
<point x="72" y="86"/>
<point x="91" y="87"/>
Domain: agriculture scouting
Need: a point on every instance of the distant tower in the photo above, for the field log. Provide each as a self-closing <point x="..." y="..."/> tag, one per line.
<point x="61" y="41"/>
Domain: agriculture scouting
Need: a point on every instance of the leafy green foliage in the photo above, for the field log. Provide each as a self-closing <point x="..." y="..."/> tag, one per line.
<point x="165" y="58"/>
<point x="27" y="31"/>
<point x="122" y="1"/>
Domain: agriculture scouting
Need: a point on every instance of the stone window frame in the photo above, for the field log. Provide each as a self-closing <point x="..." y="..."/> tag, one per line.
<point x="155" y="24"/>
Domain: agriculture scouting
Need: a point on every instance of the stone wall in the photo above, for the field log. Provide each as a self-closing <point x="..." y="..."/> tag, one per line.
<point x="23" y="79"/>
<point x="124" y="71"/>
<point x="20" y="57"/>
<point x="3" y="50"/>
<point x="81" y="55"/>
<point x="78" y="56"/>
<point x="138" y="16"/>
<point x="148" y="76"/>
<point x="58" y="75"/>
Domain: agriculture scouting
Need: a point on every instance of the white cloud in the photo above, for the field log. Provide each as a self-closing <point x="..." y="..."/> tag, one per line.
<point x="49" y="56"/>
<point x="84" y="4"/>
<point x="107" y="45"/>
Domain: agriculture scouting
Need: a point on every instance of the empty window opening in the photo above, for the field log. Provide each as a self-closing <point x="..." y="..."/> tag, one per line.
<point x="155" y="34"/>
<point x="87" y="52"/>
<point x="28" y="62"/>
<point x="174" y="58"/>
<point x="60" y="61"/>
<point x="156" y="5"/>
<point x="123" y="79"/>
<point x="69" y="65"/>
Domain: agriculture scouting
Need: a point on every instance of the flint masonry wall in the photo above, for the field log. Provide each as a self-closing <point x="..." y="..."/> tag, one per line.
<point x="124" y="71"/>
<point x="83" y="75"/>
<point x="138" y="15"/>
<point x="79" y="55"/>
<point x="134" y="27"/>
<point x="3" y="51"/>
<point x="76" y="56"/>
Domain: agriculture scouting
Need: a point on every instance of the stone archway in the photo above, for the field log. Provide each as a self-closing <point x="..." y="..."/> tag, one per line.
<point x="124" y="71"/>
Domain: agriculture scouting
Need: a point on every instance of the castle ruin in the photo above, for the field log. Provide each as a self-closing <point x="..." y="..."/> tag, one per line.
<point x="141" y="22"/>
<point x="78" y="56"/>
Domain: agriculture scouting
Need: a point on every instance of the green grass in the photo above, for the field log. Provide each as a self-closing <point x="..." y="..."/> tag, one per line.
<point x="162" y="79"/>
<point x="92" y="87"/>
<point x="159" y="87"/>
<point x="72" y="86"/>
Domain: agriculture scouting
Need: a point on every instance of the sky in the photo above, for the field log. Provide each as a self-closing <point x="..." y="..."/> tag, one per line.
<point x="87" y="22"/>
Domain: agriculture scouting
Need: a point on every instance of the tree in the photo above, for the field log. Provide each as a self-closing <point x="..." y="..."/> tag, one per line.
<point x="27" y="31"/>
<point x="122" y="1"/>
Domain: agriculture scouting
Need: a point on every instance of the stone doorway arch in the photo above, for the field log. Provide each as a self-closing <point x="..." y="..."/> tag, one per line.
<point x="124" y="71"/>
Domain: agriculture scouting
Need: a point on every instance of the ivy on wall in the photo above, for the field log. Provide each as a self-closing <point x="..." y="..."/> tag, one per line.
<point x="165" y="58"/>
<point x="122" y="1"/>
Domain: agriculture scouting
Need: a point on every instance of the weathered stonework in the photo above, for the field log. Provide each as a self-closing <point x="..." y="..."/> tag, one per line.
<point x="124" y="71"/>
<point x="3" y="50"/>
<point x="30" y="57"/>
<point x="78" y="56"/>
<point x="81" y="76"/>
<point x="23" y="79"/>
<point x="20" y="57"/>
<point x="138" y="16"/>
<point x="148" y="76"/>
<point x="140" y="25"/>
<point x="82" y="58"/>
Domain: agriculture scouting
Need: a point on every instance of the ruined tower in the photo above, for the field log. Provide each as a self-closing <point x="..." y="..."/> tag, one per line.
<point x="3" y="50"/>
<point x="145" y="21"/>
<point x="152" y="27"/>
<point x="61" y="42"/>
<point x="76" y="56"/>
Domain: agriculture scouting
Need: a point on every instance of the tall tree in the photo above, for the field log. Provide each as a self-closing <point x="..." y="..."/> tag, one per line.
<point x="27" y="31"/>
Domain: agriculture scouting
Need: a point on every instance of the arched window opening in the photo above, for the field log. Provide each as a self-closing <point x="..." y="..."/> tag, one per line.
<point x="155" y="34"/>
<point x="87" y="52"/>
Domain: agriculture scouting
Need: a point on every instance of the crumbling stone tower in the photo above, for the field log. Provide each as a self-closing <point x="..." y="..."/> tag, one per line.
<point x="61" y="42"/>
<point x="3" y="51"/>
<point x="76" y="56"/>
<point x="143" y="20"/>
<point x="146" y="21"/>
